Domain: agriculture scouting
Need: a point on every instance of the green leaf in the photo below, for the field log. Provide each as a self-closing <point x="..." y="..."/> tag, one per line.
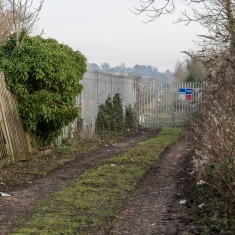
<point x="45" y="76"/>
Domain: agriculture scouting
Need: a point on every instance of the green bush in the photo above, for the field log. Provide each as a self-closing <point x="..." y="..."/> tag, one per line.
<point x="118" y="113"/>
<point x="110" y="116"/>
<point x="130" y="119"/>
<point x="45" y="77"/>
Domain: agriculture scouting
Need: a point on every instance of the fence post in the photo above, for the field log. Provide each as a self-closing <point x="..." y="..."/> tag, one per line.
<point x="173" y="116"/>
<point x="97" y="90"/>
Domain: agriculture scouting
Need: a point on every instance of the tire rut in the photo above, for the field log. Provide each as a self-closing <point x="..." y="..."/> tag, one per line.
<point x="22" y="199"/>
<point x="155" y="208"/>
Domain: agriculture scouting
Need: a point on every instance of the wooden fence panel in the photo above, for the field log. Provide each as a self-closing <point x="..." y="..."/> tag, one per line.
<point x="15" y="143"/>
<point x="5" y="153"/>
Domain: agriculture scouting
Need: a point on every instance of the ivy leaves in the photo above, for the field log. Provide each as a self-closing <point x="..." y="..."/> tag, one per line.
<point x="45" y="76"/>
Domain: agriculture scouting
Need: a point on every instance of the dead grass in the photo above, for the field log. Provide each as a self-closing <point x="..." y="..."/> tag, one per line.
<point x="214" y="137"/>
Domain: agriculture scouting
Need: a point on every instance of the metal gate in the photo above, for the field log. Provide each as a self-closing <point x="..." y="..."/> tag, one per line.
<point x="167" y="105"/>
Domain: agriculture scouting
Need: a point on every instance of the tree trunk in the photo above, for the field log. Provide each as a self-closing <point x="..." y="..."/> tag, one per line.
<point x="231" y="23"/>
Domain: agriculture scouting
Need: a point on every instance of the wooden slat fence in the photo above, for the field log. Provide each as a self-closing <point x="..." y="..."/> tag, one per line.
<point x="15" y="143"/>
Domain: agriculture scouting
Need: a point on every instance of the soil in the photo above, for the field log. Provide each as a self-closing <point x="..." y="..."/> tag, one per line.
<point x="160" y="206"/>
<point x="155" y="208"/>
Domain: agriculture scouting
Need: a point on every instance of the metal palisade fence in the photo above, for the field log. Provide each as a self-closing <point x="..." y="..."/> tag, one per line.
<point x="167" y="105"/>
<point x="156" y="105"/>
<point x="97" y="86"/>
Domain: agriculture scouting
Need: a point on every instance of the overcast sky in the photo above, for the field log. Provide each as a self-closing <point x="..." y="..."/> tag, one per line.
<point x="106" y="31"/>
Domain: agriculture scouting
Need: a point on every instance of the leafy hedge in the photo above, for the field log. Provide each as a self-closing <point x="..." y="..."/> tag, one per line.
<point x="111" y="118"/>
<point x="45" y="77"/>
<point x="130" y="119"/>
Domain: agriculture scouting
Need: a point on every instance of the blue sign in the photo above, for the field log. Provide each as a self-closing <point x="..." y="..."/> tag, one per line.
<point x="185" y="93"/>
<point x="188" y="91"/>
<point x="182" y="90"/>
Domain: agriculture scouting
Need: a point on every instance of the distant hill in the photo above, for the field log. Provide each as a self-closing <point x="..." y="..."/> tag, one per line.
<point x="144" y="73"/>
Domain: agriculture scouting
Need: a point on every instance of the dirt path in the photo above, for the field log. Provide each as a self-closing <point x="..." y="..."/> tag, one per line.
<point x="23" y="198"/>
<point x="155" y="208"/>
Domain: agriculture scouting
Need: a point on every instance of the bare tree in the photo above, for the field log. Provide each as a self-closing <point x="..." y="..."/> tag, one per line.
<point x="105" y="67"/>
<point x="16" y="16"/>
<point x="154" y="11"/>
<point x="181" y="72"/>
<point x="5" y="26"/>
<point x="196" y="69"/>
<point x="217" y="16"/>
<point x="191" y="69"/>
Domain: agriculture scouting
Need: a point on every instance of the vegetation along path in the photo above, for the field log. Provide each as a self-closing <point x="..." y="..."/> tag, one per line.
<point x="87" y="195"/>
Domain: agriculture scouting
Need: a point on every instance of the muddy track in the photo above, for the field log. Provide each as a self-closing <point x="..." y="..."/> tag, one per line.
<point x="24" y="197"/>
<point x="156" y="206"/>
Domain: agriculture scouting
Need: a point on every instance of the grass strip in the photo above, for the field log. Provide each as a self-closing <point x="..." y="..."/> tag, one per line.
<point x="91" y="202"/>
